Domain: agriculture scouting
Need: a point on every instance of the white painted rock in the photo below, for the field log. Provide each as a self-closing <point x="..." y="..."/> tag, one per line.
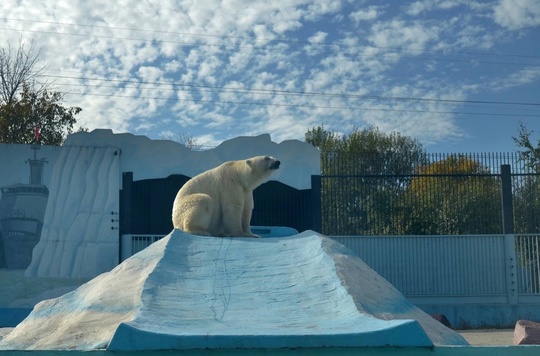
<point x="191" y="292"/>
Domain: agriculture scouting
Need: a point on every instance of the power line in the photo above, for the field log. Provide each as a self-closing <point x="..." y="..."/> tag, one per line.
<point x="342" y="45"/>
<point x="230" y="102"/>
<point x="291" y="92"/>
<point x="238" y="90"/>
<point x="195" y="44"/>
<point x="378" y="55"/>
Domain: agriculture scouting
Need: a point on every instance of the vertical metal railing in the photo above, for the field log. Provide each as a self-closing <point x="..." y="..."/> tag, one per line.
<point x="528" y="263"/>
<point x="131" y="244"/>
<point x="452" y="194"/>
<point x="437" y="265"/>
<point x="472" y="265"/>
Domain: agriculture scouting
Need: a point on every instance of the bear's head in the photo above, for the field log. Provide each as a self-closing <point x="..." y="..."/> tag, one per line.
<point x="263" y="163"/>
<point x="261" y="167"/>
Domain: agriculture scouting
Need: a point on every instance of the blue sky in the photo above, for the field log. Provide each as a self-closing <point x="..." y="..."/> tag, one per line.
<point x="457" y="75"/>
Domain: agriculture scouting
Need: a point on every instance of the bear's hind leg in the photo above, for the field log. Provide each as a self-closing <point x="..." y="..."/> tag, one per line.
<point x="197" y="214"/>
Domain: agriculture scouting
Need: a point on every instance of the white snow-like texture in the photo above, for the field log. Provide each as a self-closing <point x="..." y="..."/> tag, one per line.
<point x="80" y="232"/>
<point x="149" y="159"/>
<point x="192" y="292"/>
<point x="78" y="239"/>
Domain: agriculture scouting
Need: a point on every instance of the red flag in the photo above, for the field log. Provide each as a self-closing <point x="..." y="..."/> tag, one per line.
<point x="36" y="133"/>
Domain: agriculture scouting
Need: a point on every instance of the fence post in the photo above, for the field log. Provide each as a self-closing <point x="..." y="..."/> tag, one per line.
<point x="126" y="196"/>
<point x="506" y="195"/>
<point x="508" y="231"/>
<point x="316" y="203"/>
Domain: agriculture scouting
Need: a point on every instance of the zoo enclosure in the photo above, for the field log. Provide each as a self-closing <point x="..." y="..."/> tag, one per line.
<point x="469" y="229"/>
<point x="464" y="226"/>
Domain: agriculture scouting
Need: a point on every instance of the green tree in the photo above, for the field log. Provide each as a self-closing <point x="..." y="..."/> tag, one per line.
<point x="27" y="108"/>
<point x="364" y="176"/>
<point x="526" y="199"/>
<point x="528" y="153"/>
<point x="526" y="190"/>
<point x="324" y="140"/>
<point x="33" y="111"/>
<point x="453" y="196"/>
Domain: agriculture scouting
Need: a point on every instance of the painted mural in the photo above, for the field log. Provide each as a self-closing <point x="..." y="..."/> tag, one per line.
<point x="22" y="209"/>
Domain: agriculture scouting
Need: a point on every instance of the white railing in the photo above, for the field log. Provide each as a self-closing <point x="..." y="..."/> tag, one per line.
<point x="528" y="263"/>
<point x="131" y="244"/>
<point x="438" y="265"/>
<point x="467" y="266"/>
<point x="496" y="267"/>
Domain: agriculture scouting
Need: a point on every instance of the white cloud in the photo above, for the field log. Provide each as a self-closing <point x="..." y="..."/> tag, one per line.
<point x="368" y="14"/>
<point x="419" y="7"/>
<point x="292" y="49"/>
<point x="517" y="14"/>
<point x="519" y="78"/>
<point x="401" y="34"/>
<point x="318" y="37"/>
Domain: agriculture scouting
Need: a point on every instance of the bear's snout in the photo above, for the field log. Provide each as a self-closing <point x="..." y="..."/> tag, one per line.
<point x="275" y="165"/>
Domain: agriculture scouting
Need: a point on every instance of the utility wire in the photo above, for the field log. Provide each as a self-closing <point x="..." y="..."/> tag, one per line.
<point x="229" y="102"/>
<point x="238" y="90"/>
<point x="256" y="48"/>
<point x="291" y="92"/>
<point x="322" y="44"/>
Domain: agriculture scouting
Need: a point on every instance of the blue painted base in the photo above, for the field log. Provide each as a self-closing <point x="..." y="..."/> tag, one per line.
<point x="402" y="333"/>
<point x="10" y="317"/>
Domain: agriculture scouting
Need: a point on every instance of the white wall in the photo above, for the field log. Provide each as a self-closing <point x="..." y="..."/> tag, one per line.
<point x="78" y="238"/>
<point x="149" y="159"/>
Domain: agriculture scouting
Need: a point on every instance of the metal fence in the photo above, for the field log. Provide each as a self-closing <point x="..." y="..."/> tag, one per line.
<point x="438" y="194"/>
<point x="132" y="244"/>
<point x="437" y="226"/>
<point x="528" y="263"/>
<point x="454" y="225"/>
<point x="489" y="268"/>
<point x="436" y="265"/>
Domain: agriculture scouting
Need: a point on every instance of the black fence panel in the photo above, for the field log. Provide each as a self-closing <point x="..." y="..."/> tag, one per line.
<point x="435" y="194"/>
<point x="444" y="194"/>
<point x="526" y="203"/>
<point x="426" y="205"/>
<point x="146" y="205"/>
<point x="277" y="204"/>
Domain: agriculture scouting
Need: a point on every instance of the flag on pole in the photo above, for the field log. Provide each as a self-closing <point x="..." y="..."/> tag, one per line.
<point x="36" y="133"/>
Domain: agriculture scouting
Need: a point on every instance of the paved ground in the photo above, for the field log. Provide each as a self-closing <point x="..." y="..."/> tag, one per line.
<point x="488" y="337"/>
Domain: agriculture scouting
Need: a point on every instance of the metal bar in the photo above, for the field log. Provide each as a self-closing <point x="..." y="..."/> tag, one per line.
<point x="506" y="196"/>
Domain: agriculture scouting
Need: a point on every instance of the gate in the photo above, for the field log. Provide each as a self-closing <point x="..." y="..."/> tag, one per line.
<point x="146" y="205"/>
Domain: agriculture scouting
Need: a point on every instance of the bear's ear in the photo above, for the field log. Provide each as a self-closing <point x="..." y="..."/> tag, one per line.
<point x="249" y="162"/>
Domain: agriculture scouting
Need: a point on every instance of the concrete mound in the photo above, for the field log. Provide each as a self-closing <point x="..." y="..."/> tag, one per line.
<point x="192" y="292"/>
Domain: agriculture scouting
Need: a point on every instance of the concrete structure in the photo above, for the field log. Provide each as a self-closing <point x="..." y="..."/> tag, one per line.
<point x="191" y="292"/>
<point x="476" y="281"/>
<point x="80" y="235"/>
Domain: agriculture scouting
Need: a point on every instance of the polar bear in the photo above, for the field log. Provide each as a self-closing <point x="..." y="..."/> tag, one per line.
<point x="219" y="202"/>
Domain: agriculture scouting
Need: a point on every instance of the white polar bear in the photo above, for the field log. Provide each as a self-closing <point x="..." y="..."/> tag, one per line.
<point x="219" y="202"/>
